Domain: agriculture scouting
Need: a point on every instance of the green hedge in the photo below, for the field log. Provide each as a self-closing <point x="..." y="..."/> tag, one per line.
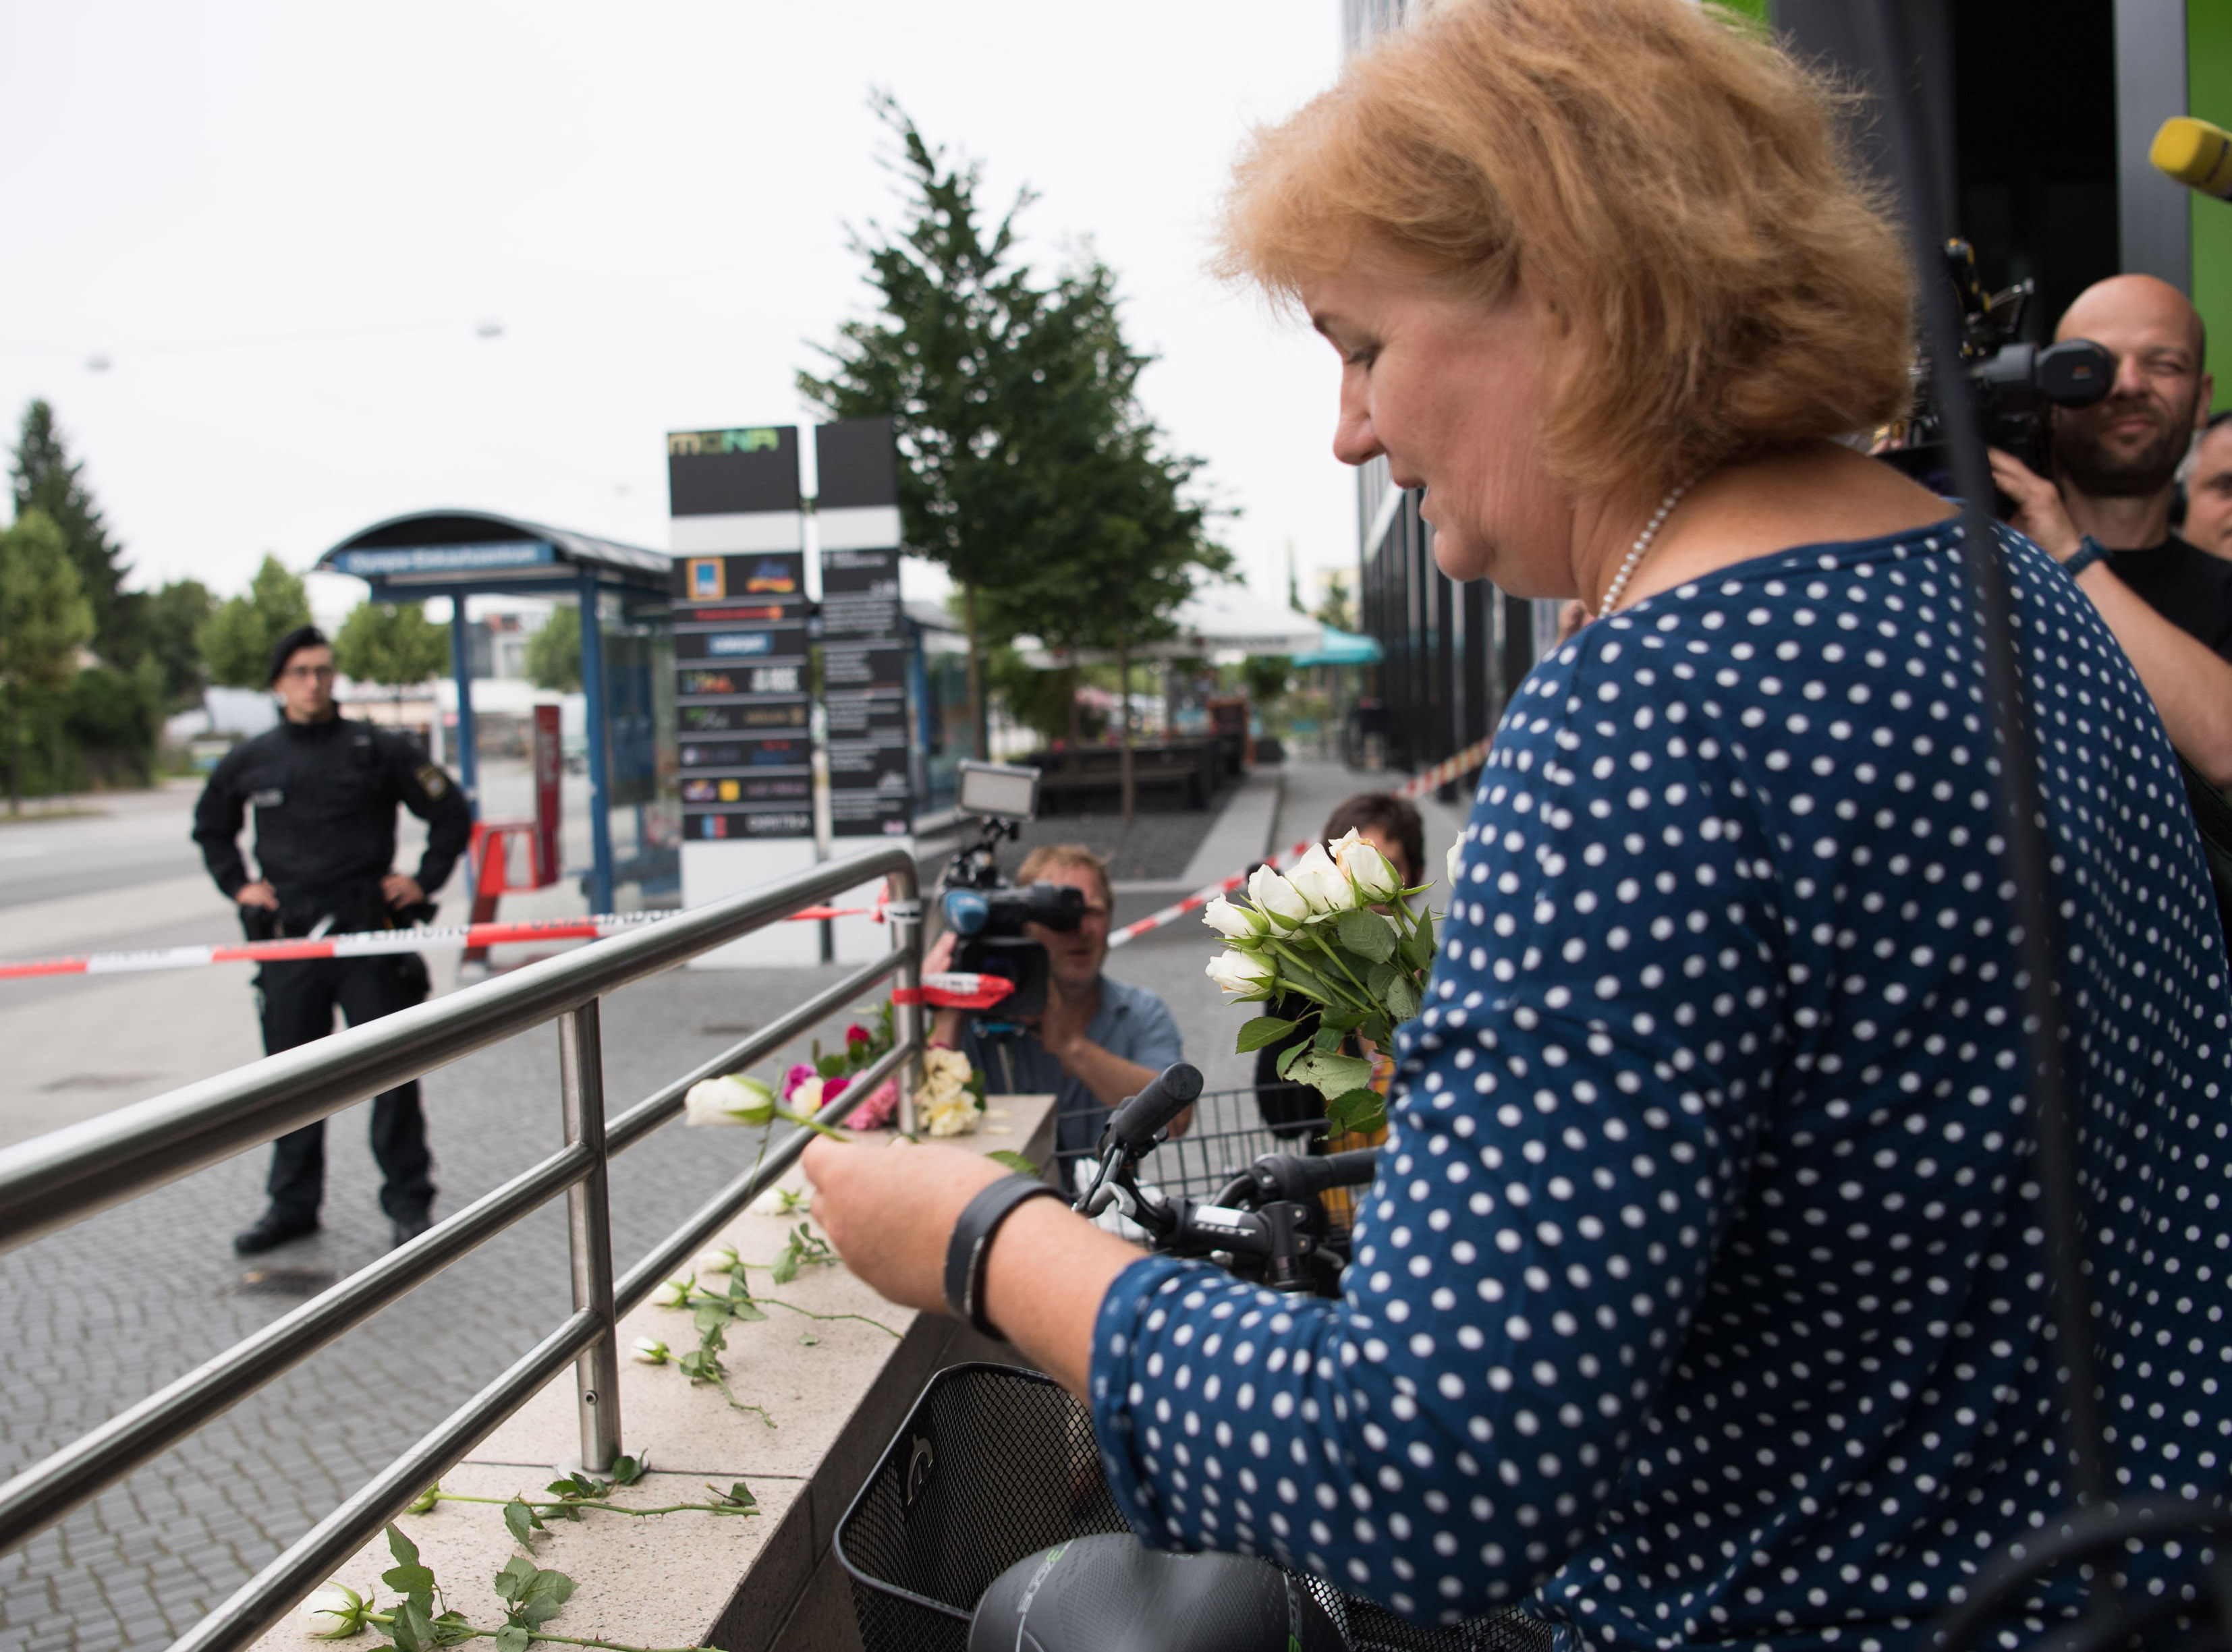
<point x="101" y="731"/>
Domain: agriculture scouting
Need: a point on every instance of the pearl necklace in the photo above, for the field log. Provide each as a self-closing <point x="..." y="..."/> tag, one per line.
<point x="1642" y="543"/>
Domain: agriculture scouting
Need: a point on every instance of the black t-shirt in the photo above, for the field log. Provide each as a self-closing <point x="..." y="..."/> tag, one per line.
<point x="2186" y="585"/>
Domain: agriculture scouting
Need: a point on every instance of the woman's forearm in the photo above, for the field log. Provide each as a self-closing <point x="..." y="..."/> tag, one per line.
<point x="1044" y="1285"/>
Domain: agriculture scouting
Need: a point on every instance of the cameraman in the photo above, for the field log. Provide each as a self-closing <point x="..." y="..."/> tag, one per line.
<point x="2169" y="604"/>
<point x="1097" y="1040"/>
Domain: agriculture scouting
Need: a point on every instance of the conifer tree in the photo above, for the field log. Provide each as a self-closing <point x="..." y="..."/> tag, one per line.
<point x="49" y="481"/>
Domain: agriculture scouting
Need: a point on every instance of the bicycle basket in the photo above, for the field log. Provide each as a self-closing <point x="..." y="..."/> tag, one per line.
<point x="992" y="1464"/>
<point x="995" y="1463"/>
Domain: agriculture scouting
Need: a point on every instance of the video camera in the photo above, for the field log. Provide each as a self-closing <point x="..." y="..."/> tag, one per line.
<point x="2011" y="383"/>
<point x="987" y="912"/>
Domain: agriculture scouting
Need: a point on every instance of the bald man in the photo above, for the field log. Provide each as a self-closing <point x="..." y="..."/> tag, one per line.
<point x="2115" y="464"/>
<point x="2209" y="490"/>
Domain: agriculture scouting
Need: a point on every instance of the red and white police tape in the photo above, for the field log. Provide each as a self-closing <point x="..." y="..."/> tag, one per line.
<point x="597" y="927"/>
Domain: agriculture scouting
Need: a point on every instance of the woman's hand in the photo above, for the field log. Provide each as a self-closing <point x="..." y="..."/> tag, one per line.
<point x="889" y="1211"/>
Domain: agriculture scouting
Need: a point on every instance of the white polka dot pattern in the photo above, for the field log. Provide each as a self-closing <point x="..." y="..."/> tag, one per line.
<point x="1700" y="1298"/>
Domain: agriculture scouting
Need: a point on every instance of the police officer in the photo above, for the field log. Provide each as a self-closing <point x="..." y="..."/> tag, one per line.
<point x="324" y="790"/>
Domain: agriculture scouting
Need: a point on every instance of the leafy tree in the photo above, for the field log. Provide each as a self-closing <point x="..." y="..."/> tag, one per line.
<point x="393" y="643"/>
<point x="1123" y="544"/>
<point x="1338" y="609"/>
<point x="553" y="653"/>
<point x="44" y="620"/>
<point x="171" y="621"/>
<point x="995" y="382"/>
<point x="238" y="640"/>
<point x="47" y="480"/>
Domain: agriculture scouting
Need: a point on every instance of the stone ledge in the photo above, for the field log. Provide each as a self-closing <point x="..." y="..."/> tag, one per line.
<point x="766" y="1583"/>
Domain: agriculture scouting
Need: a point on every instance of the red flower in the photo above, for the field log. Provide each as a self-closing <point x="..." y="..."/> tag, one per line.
<point x="857" y="1033"/>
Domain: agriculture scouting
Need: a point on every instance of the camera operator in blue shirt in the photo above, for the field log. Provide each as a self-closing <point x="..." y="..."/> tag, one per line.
<point x="1097" y="1040"/>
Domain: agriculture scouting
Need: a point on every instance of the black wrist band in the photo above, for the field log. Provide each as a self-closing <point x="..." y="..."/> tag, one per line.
<point x="2089" y="551"/>
<point x="965" y="1253"/>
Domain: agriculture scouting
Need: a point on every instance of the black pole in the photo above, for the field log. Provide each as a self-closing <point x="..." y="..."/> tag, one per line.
<point x="2025" y="855"/>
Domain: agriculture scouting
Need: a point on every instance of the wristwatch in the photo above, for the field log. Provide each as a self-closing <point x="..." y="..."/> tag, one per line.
<point x="2089" y="550"/>
<point x="967" y="1251"/>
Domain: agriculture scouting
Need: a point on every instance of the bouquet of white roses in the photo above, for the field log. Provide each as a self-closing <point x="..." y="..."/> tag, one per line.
<point x="1313" y="933"/>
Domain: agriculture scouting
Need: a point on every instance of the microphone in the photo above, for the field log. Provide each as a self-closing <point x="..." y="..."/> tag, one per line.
<point x="2196" y="154"/>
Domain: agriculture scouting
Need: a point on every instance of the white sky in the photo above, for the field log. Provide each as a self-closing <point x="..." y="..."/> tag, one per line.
<point x="281" y="224"/>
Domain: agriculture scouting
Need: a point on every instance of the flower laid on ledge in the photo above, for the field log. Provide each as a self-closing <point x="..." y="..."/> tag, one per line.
<point x="951" y="1096"/>
<point x="736" y="1099"/>
<point x="532" y="1597"/>
<point x="1337" y="932"/>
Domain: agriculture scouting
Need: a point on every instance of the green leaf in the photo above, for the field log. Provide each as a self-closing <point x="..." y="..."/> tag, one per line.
<point x="785" y="1265"/>
<point x="1366" y="934"/>
<point x="1402" y="1003"/>
<point x="628" y="1470"/>
<point x="1264" y="1029"/>
<point x="451" y="1628"/>
<point x="411" y="1627"/>
<point x="738" y="1495"/>
<point x="546" y="1594"/>
<point x="1287" y="1061"/>
<point x="1326" y="1040"/>
<point x="1013" y="1161"/>
<point x="712" y="1316"/>
<point x="407" y="1577"/>
<point x="521" y="1521"/>
<point x="1330" y="1075"/>
<point x="1360" y="1110"/>
<point x="1418" y="945"/>
<point x="512" y="1638"/>
<point x="1377" y="977"/>
<point x="808" y="1339"/>
<point x="1347" y="1022"/>
<point x="749" y="1309"/>
<point x="511" y="1582"/>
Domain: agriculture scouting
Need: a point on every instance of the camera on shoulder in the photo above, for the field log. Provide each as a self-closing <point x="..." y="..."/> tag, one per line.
<point x="986" y="911"/>
<point x="2013" y="384"/>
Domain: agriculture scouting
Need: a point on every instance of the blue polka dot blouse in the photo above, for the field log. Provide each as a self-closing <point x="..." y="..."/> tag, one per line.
<point x="1701" y="1299"/>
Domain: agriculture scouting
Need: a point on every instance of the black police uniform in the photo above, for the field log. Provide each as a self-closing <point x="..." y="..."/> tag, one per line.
<point x="324" y="795"/>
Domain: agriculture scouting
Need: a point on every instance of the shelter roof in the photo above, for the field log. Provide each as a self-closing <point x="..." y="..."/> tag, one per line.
<point x="453" y="547"/>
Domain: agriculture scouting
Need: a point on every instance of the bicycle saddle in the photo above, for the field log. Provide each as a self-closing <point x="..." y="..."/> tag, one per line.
<point x="1107" y="1593"/>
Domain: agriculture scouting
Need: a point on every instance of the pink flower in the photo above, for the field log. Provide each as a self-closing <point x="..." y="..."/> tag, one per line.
<point x="798" y="1074"/>
<point x="876" y="1112"/>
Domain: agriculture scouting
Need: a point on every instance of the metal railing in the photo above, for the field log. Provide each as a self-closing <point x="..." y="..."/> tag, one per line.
<point x="57" y="1179"/>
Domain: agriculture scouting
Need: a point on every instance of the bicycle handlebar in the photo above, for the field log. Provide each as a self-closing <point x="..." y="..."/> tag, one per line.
<point x="1134" y="1125"/>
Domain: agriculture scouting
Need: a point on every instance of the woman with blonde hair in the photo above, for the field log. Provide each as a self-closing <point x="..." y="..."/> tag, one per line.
<point x="1701" y="1299"/>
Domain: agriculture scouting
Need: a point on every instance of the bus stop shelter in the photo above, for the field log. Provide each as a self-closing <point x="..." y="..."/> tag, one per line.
<point x="461" y="553"/>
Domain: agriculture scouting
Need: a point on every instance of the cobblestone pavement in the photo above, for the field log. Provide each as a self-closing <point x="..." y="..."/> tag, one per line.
<point x="93" y="1319"/>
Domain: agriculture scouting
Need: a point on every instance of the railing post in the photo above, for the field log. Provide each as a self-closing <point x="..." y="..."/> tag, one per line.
<point x="589" y="1230"/>
<point x="904" y="915"/>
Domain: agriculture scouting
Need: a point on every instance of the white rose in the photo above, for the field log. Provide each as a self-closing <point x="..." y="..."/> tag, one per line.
<point x="1370" y="871"/>
<point x="954" y="1117"/>
<point x="722" y="1259"/>
<point x="1321" y="884"/>
<point x="1233" y="923"/>
<point x="1453" y="863"/>
<point x="650" y="1350"/>
<point x="672" y="1294"/>
<point x="334" y="1612"/>
<point x="1277" y="898"/>
<point x="732" y="1099"/>
<point x="1241" y="972"/>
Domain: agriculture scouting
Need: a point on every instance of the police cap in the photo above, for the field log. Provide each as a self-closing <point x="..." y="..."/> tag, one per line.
<point x="292" y="644"/>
